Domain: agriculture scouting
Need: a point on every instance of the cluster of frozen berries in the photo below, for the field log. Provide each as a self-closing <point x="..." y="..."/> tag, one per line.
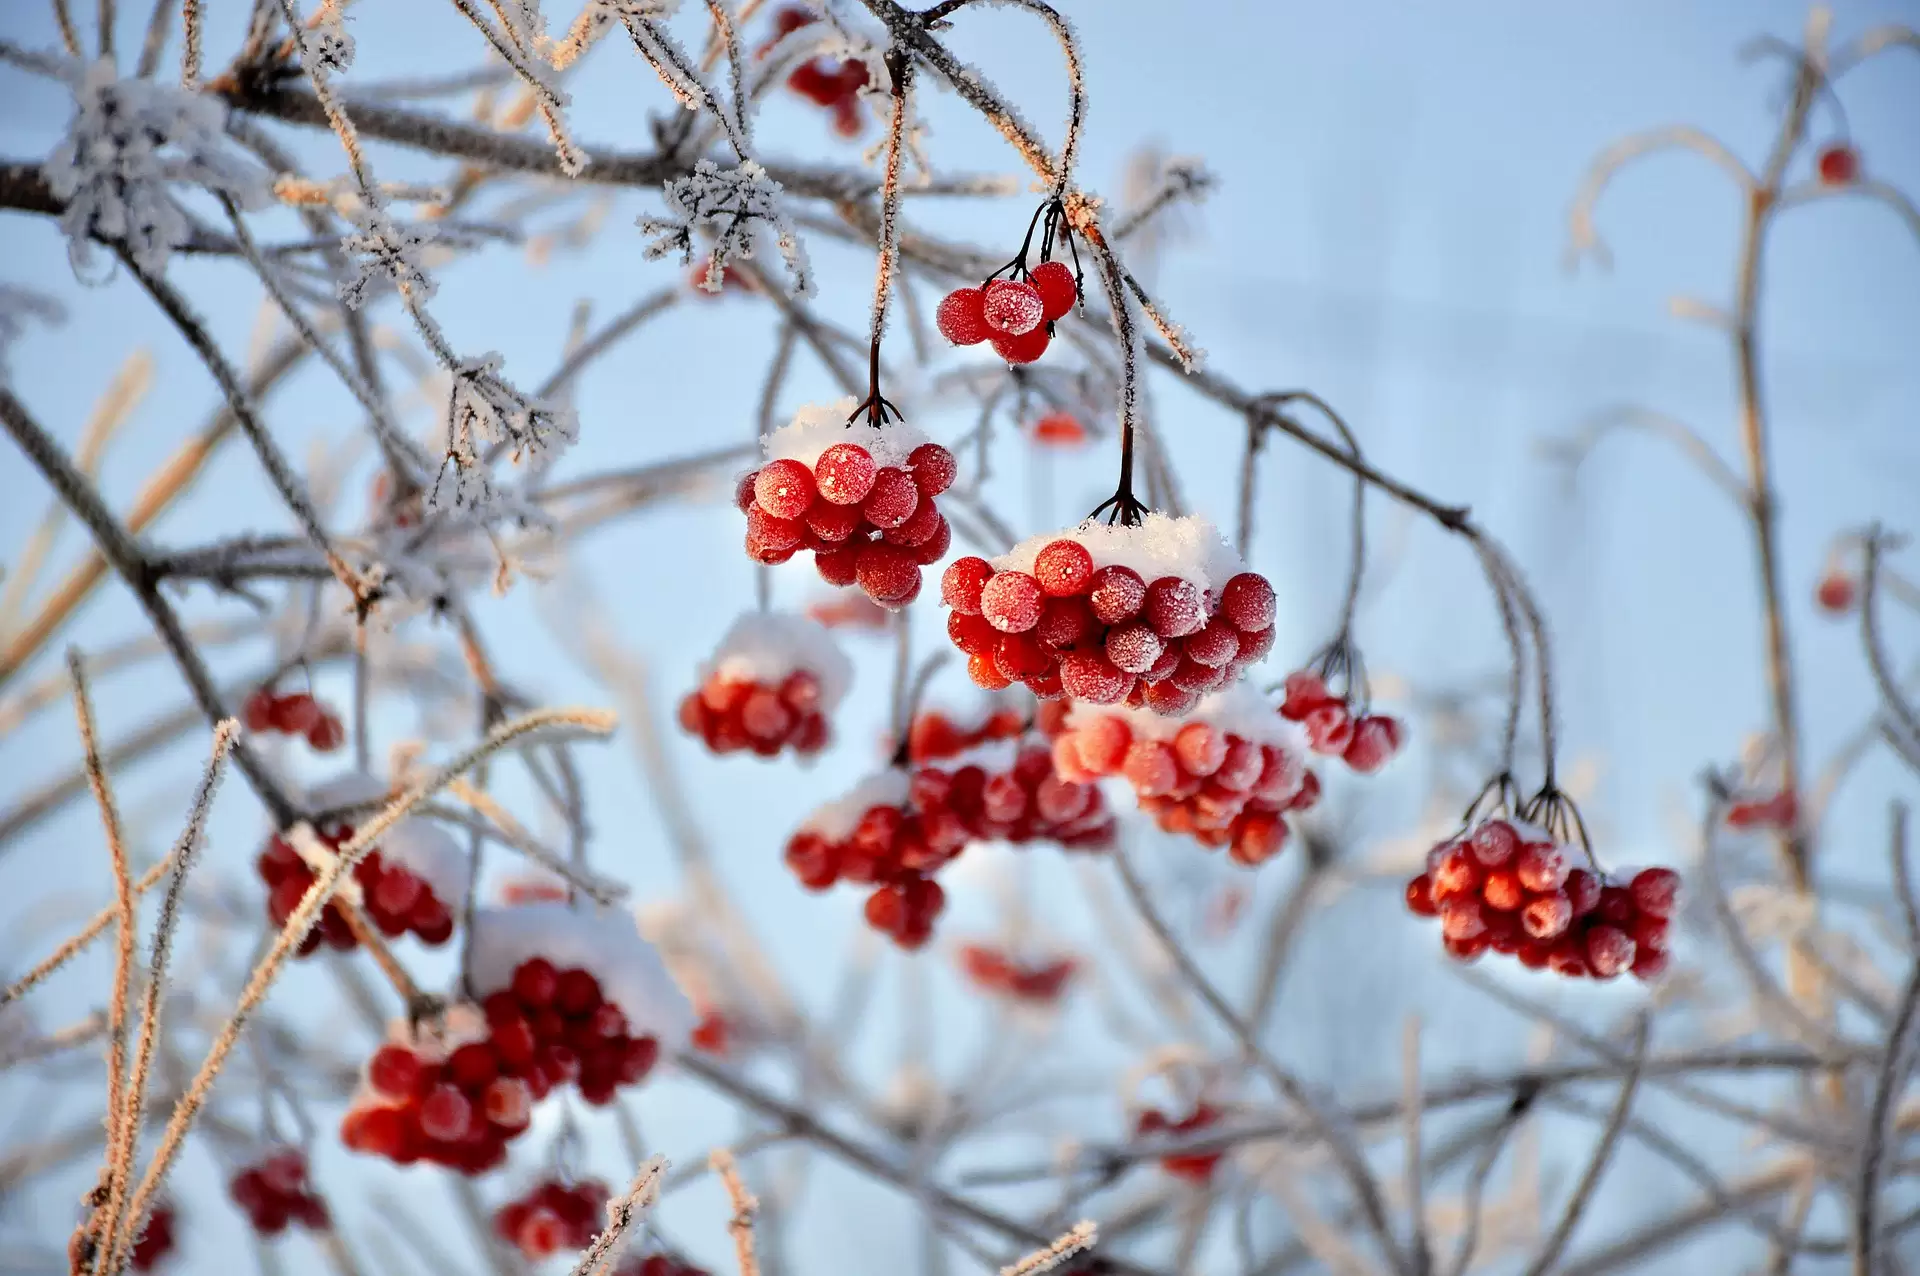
<point x="296" y="713"/>
<point x="1194" y="1167"/>
<point x="1364" y="741"/>
<point x="879" y="836"/>
<point x="1008" y="791"/>
<point x="1052" y="615"/>
<point x="1510" y="887"/>
<point x="826" y="82"/>
<point x="771" y="684"/>
<point x="1059" y="429"/>
<point x="396" y="899"/>
<point x="935" y="736"/>
<point x="552" y="1216"/>
<point x="275" y="1193"/>
<point x="1226" y="775"/>
<point x="862" y="501"/>
<point x="1036" y="983"/>
<point x="1015" y="315"/>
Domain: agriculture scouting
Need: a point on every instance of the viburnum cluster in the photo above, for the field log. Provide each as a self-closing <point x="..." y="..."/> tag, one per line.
<point x="409" y="884"/>
<point x="1156" y="614"/>
<point x="274" y="1193"/>
<point x="771" y="685"/>
<point x="568" y="996"/>
<point x="899" y="827"/>
<point x="552" y="1216"/>
<point x="1225" y="773"/>
<point x="1193" y="1167"/>
<point x="297" y="713"/>
<point x="861" y="499"/>
<point x="934" y="735"/>
<point x="1337" y="727"/>
<point x="1017" y="313"/>
<point x="1512" y="887"/>
<point x="832" y="83"/>
<point x="994" y="971"/>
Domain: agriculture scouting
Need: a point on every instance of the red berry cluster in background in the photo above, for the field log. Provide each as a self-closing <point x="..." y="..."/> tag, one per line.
<point x="848" y="609"/>
<point x="552" y="1216"/>
<point x="1507" y="886"/>
<point x="935" y="736"/>
<point x="1059" y="429"/>
<point x="296" y="713"/>
<point x="1837" y="165"/>
<point x="1199" y="778"/>
<point x="395" y="899"/>
<point x="1780" y="811"/>
<point x="1335" y="728"/>
<point x="1104" y="634"/>
<point x="274" y="1193"/>
<point x="1011" y="794"/>
<point x="731" y="715"/>
<point x="1194" y="1167"/>
<point x="1015" y="315"/>
<point x="712" y="1035"/>
<point x="702" y="272"/>
<point x="993" y="971"/>
<point x="823" y="81"/>
<point x="865" y="523"/>
<point x="1837" y="591"/>
<point x="156" y="1241"/>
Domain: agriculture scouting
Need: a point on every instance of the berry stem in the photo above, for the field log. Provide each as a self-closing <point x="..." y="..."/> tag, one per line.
<point x="899" y="72"/>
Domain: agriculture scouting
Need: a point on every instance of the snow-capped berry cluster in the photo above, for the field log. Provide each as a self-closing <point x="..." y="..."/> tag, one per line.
<point x="296" y="713"/>
<point x="1007" y="791"/>
<point x="552" y="1216"/>
<point x="994" y="971"/>
<point x="1510" y="887"/>
<point x="274" y="1193"/>
<point x="832" y="83"/>
<point x="407" y="885"/>
<point x="590" y="1012"/>
<point x="1194" y="1167"/>
<point x="771" y="685"/>
<point x="935" y="736"/>
<point x="860" y="498"/>
<point x="1226" y="773"/>
<point x="1015" y="314"/>
<point x="1336" y="727"/>
<point x="1157" y="614"/>
<point x="156" y="1241"/>
<point x="878" y="836"/>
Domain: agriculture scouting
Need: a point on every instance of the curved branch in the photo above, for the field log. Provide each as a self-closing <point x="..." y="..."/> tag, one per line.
<point x="1630" y="416"/>
<point x="1583" y="239"/>
<point x="1893" y="197"/>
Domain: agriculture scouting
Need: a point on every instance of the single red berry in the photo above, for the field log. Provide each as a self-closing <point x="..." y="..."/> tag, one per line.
<point x="1175" y="607"/>
<point x="1541" y="868"/>
<point x="1375" y="740"/>
<point x="1011" y="602"/>
<point x="1091" y="677"/>
<point x="844" y="474"/>
<point x="258" y="712"/>
<point x="1420" y="897"/>
<point x="1102" y="743"/>
<point x="1168" y="700"/>
<point x="962" y="317"/>
<point x="961" y="584"/>
<point x="1502" y="890"/>
<point x="974" y="635"/>
<point x="1494" y="843"/>
<point x="534" y="983"/>
<point x="1059" y="429"/>
<point x="1053" y="280"/>
<point x="1454" y="872"/>
<point x="1248" y="603"/>
<point x="934" y="469"/>
<point x="1116" y="594"/>
<point x="1583" y="891"/>
<point x="445" y="1114"/>
<point x="1650" y="963"/>
<point x="1026" y="348"/>
<point x="1133" y="648"/>
<point x="1610" y="951"/>
<point x="1461" y="918"/>
<point x="1547" y="916"/>
<point x="1063" y="568"/>
<point x="784" y="488"/>
<point x="1836" y="592"/>
<point x="1305" y="692"/>
<point x="1012" y="308"/>
<point x="1838" y="165"/>
<point x="888" y="573"/>
<point x="893" y="499"/>
<point x="774" y="533"/>
<point x="1329" y="729"/>
<point x="473" y="1066"/>
<point x="935" y="547"/>
<point x="1215" y="645"/>
<point x="1654" y="891"/>
<point x="985" y="672"/>
<point x="577" y="993"/>
<point x="1020" y="656"/>
<point x="1150" y="767"/>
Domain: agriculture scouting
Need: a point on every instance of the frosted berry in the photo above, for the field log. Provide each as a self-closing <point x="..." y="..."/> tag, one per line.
<point x="1215" y="645"/>
<point x="934" y="469"/>
<point x="1547" y="916"/>
<point x="1838" y="165"/>
<point x="1063" y="568"/>
<point x="1248" y="603"/>
<point x="833" y="523"/>
<point x="1093" y="678"/>
<point x="1494" y="843"/>
<point x="1133" y="648"/>
<point x="844" y="474"/>
<point x="1305" y="692"/>
<point x="1329" y="729"/>
<point x="1609" y="951"/>
<point x="1654" y="891"/>
<point x="893" y="499"/>
<point x="1174" y="607"/>
<point x="1025" y="348"/>
<point x="1053" y="280"/>
<point x="888" y="573"/>
<point x="1116" y="594"/>
<point x="1012" y="308"/>
<point x="1011" y="602"/>
<point x="962" y="318"/>
<point x="962" y="583"/>
<point x="1376" y="739"/>
<point x="784" y="488"/>
<point x="1541" y="868"/>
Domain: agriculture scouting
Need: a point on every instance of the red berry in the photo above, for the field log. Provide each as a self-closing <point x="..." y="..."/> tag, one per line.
<point x="1102" y="744"/>
<point x="1546" y="916"/>
<point x="935" y="547"/>
<point x="962" y="583"/>
<point x="974" y="635"/>
<point x="1838" y="165"/>
<point x="1375" y="740"/>
<point x="1116" y="594"/>
<point x="1059" y="429"/>
<point x="934" y="469"/>
<point x="1133" y="648"/>
<point x="1461" y="918"/>
<point x="1063" y="568"/>
<point x="1655" y="890"/>
<point x="1011" y="602"/>
<point x="784" y="488"/>
<point x="1025" y="348"/>
<point x="962" y="318"/>
<point x="394" y="1071"/>
<point x="1167" y="700"/>
<point x="893" y="499"/>
<point x="1502" y="890"/>
<point x="1650" y="963"/>
<point x="577" y="993"/>
<point x="534" y="983"/>
<point x="833" y="523"/>
<point x="473" y="1065"/>
<point x="445" y="1114"/>
<point x="1420" y="897"/>
<point x="1013" y="308"/>
<point x="985" y="672"/>
<point x="296" y="714"/>
<point x="844" y="474"/>
<point x="1329" y="729"/>
<point x="397" y="891"/>
<point x="1091" y="677"/>
<point x="1836" y="592"/>
<point x="1454" y="873"/>
<point x="772" y="533"/>
<point x="1202" y="750"/>
<point x="888" y="573"/>
<point x="1248" y="603"/>
<point x="1583" y="891"/>
<point x="1215" y="645"/>
<point x="1175" y="607"/>
<point x="918" y="530"/>
<point x="1053" y="280"/>
<point x="1610" y="951"/>
<point x="1305" y="692"/>
<point x="1150" y="768"/>
<point x="1494" y="843"/>
<point x="1191" y="675"/>
<point x="1541" y="868"/>
<point x="1020" y="656"/>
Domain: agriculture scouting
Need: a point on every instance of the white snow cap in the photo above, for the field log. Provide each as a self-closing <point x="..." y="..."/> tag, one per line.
<point x="430" y="853"/>
<point x="349" y="788"/>
<point x="766" y="646"/>
<point x="837" y="819"/>
<point x="1189" y="547"/>
<point x="818" y="426"/>
<point x="1237" y="707"/>
<point x="605" y="942"/>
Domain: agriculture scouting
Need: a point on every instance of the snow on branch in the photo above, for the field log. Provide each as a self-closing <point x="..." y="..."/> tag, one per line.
<point x="736" y="205"/>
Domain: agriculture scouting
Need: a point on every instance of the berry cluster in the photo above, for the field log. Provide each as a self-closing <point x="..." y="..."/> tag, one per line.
<point x="1510" y="887"/>
<point x="1015" y="314"/>
<point x="848" y="609"/>
<point x="275" y="1193"/>
<point x="1336" y="727"/>
<point x="449" y="1101"/>
<point x="1778" y="812"/>
<point x="1007" y="791"/>
<point x="1059" y="429"/>
<point x="1225" y="774"/>
<point x="1194" y="1167"/>
<point x="552" y="1216"/>
<point x="769" y="687"/>
<point x="993" y="971"/>
<point x="861" y="501"/>
<point x="396" y="899"/>
<point x="1156" y="614"/>
<point x="879" y="836"/>
<point x="296" y="713"/>
<point x="934" y="736"/>
<point x="827" y="82"/>
<point x="156" y="1240"/>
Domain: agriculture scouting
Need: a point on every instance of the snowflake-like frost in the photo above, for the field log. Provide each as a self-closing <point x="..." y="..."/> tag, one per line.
<point x="484" y="408"/>
<point x="385" y="248"/>
<point x="736" y="205"/>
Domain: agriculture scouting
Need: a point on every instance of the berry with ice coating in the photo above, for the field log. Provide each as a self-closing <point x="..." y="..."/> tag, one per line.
<point x="961" y="317"/>
<point x="273" y="1193"/>
<point x="1024" y="348"/>
<point x="1012" y="307"/>
<point x="1053" y="280"/>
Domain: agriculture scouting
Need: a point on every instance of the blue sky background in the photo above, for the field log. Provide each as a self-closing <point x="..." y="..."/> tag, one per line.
<point x="1388" y="230"/>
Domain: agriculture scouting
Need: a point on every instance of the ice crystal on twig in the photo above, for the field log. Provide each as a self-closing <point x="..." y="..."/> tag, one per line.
<point x="736" y="204"/>
<point x="484" y="408"/>
<point x="327" y="45"/>
<point x="130" y="140"/>
<point x="383" y="247"/>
